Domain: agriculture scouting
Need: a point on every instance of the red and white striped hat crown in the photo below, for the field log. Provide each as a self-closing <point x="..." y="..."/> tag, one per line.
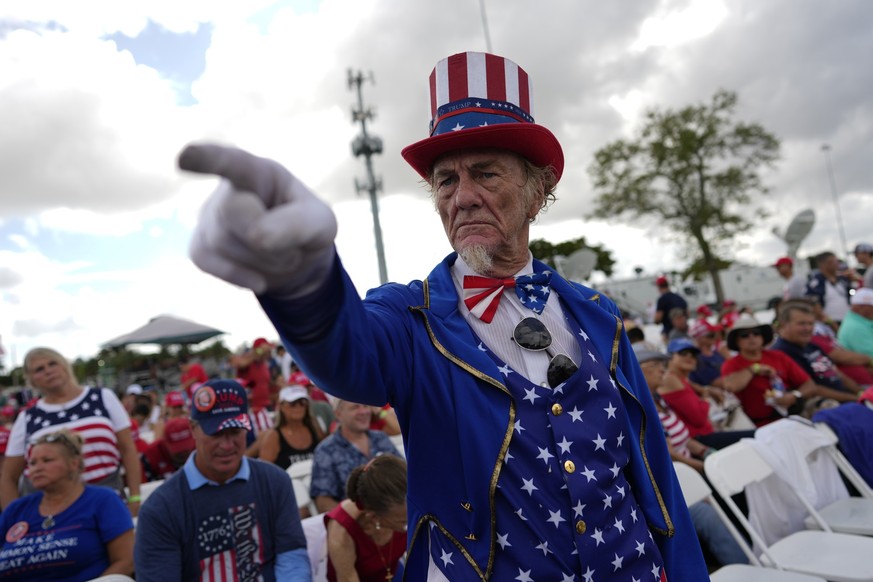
<point x="479" y="100"/>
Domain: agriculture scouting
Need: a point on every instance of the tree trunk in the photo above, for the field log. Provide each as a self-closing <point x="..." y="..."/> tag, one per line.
<point x="711" y="266"/>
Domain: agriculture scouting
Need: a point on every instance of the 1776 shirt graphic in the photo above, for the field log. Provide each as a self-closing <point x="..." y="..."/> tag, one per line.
<point x="230" y="545"/>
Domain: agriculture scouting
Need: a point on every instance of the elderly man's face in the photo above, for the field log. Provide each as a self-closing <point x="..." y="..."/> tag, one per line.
<point x="481" y="199"/>
<point x="798" y="328"/>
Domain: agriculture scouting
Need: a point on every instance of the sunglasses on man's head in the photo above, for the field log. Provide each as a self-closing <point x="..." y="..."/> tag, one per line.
<point x="748" y="333"/>
<point x="531" y="334"/>
<point x="691" y="353"/>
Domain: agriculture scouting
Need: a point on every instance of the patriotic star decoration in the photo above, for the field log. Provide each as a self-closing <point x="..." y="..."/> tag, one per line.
<point x="589" y="574"/>
<point x="592" y="382"/>
<point x="656" y="572"/>
<point x="523" y="576"/>
<point x="599" y="443"/>
<point x="567" y="577"/>
<point x="620" y="439"/>
<point x="641" y="549"/>
<point x="589" y="474"/>
<point x="529" y="486"/>
<point x="619" y="525"/>
<point x="610" y="411"/>
<point x="544" y="547"/>
<point x="583" y="334"/>
<point x="616" y="563"/>
<point x="598" y="536"/>
<point x="576" y="414"/>
<point x="565" y="445"/>
<point x="555" y="518"/>
<point x="458" y="127"/>
<point x="615" y="469"/>
<point x="545" y="455"/>
<point x="506" y="371"/>
<point x="531" y="394"/>
<point x="577" y="510"/>
<point x="446" y="558"/>
<point x="503" y="540"/>
<point x="518" y="427"/>
<point x="593" y="359"/>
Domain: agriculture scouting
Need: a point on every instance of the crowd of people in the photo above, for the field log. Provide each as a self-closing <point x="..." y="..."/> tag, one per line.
<point x="524" y="406"/>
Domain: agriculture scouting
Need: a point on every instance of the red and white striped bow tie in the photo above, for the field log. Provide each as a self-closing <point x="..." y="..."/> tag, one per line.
<point x="482" y="294"/>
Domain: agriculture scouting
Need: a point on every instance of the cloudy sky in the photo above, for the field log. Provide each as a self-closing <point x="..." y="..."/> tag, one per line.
<point x="98" y="97"/>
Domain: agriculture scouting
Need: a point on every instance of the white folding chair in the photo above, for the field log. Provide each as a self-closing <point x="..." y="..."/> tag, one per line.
<point x="397" y="440"/>
<point x="696" y="490"/>
<point x="147" y="489"/>
<point x="837" y="557"/>
<point x="301" y="470"/>
<point x="301" y="494"/>
<point x="316" y="546"/>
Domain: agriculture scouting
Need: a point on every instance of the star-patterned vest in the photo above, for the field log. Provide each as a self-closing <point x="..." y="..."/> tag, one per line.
<point x="88" y="416"/>
<point x="564" y="510"/>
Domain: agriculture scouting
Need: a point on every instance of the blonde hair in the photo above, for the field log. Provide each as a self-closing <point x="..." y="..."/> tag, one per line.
<point x="50" y="354"/>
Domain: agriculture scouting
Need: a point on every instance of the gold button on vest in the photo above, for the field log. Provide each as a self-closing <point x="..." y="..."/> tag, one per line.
<point x="580" y="527"/>
<point x="557" y="409"/>
<point x="569" y="466"/>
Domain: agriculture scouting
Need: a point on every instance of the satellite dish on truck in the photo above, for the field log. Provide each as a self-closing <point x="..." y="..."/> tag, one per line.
<point x="798" y="229"/>
<point x="577" y="266"/>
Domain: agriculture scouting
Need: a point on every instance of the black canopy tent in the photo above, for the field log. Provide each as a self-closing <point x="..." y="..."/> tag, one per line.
<point x="166" y="330"/>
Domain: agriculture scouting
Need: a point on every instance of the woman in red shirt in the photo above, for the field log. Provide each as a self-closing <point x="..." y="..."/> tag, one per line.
<point x="756" y="374"/>
<point x="366" y="533"/>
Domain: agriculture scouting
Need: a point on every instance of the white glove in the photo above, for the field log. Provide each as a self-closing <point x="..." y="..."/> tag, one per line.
<point x="262" y="228"/>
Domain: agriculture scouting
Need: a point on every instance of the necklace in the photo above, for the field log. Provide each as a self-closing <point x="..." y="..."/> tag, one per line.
<point x="388" y="573"/>
<point x="48" y="522"/>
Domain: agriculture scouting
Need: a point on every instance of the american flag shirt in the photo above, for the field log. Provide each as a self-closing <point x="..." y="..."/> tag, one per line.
<point x="564" y="510"/>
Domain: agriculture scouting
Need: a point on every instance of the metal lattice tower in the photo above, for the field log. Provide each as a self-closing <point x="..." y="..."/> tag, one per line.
<point x="367" y="145"/>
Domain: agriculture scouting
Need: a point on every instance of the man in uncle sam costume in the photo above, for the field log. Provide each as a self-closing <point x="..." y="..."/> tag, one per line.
<point x="222" y="516"/>
<point x="535" y="451"/>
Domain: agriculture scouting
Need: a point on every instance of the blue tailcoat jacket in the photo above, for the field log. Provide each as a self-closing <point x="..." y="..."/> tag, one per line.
<point x="409" y="345"/>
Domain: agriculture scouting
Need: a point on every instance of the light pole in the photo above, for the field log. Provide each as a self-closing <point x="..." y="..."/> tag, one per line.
<point x="827" y="153"/>
<point x="367" y="145"/>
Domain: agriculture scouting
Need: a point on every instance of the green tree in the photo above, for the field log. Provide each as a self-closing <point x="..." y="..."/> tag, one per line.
<point x="546" y="252"/>
<point x="693" y="171"/>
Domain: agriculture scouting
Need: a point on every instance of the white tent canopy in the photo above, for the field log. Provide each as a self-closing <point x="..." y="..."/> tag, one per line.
<point x="164" y="330"/>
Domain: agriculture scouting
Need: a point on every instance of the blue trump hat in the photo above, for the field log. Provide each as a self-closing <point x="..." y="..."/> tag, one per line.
<point x="219" y="405"/>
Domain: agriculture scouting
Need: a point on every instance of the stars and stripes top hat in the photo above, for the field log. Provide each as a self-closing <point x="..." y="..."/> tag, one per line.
<point x="480" y="100"/>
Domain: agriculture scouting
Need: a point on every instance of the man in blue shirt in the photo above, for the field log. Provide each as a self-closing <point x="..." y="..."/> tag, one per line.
<point x="223" y="516"/>
<point x="352" y="444"/>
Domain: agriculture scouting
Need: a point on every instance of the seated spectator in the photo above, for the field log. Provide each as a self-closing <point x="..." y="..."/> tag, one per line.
<point x="696" y="409"/>
<point x="296" y="434"/>
<point x="856" y="365"/>
<point x="678" y="392"/>
<point x="175" y="406"/>
<point x="352" y="444"/>
<point x="711" y="531"/>
<point x="764" y="380"/>
<point x="796" y="322"/>
<point x="138" y="417"/>
<point x="366" y="533"/>
<point x="679" y="323"/>
<point x="66" y="530"/>
<point x="222" y="516"/>
<point x="856" y="331"/>
<point x="713" y="353"/>
<point x="168" y="454"/>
